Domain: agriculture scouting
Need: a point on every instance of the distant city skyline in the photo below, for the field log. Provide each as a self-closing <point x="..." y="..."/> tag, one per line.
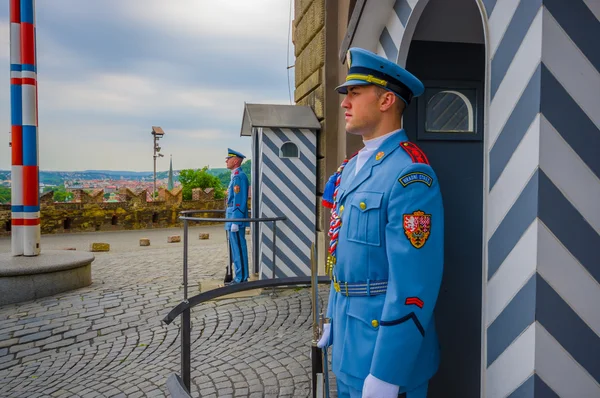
<point x="166" y="169"/>
<point x="108" y="71"/>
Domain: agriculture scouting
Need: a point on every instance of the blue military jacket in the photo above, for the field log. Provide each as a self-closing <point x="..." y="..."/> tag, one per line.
<point x="391" y="230"/>
<point x="237" y="198"/>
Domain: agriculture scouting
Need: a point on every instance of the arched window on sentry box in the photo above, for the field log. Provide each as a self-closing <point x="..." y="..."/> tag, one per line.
<point x="289" y="150"/>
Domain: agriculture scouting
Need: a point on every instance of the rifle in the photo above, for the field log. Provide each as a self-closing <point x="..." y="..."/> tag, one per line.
<point x="325" y="360"/>
<point x="228" y="271"/>
<point x="320" y="375"/>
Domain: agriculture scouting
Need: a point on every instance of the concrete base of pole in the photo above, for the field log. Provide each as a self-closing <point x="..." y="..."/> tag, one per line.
<point x="53" y="271"/>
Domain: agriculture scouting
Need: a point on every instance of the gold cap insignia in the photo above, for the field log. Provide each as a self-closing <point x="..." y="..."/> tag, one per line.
<point x="349" y="59"/>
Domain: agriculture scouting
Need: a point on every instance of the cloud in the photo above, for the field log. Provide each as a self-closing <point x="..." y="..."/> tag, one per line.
<point x="222" y="42"/>
<point x="205" y="135"/>
<point x="134" y="97"/>
<point x="109" y="70"/>
<point x="242" y="20"/>
<point x="5" y="40"/>
<point x="129" y="147"/>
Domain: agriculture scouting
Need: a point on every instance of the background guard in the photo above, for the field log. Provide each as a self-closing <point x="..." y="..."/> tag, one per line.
<point x="237" y="207"/>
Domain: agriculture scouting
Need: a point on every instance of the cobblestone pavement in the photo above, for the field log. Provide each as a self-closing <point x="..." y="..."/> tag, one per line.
<point x="108" y="339"/>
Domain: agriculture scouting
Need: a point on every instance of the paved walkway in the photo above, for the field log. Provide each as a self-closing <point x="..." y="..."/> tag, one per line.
<point x="108" y="339"/>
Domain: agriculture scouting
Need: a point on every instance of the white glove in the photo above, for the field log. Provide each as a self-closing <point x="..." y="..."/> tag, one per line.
<point x="324" y="340"/>
<point x="375" y="388"/>
<point x="235" y="227"/>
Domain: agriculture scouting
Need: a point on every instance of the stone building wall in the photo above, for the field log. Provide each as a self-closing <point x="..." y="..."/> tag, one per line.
<point x="90" y="213"/>
<point x="319" y="28"/>
<point x="309" y="43"/>
<point x="309" y="49"/>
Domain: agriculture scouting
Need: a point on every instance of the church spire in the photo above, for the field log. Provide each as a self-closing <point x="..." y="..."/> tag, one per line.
<point x="170" y="183"/>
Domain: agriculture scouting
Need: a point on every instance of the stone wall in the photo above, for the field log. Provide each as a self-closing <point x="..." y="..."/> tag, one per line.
<point x="203" y="194"/>
<point x="90" y="213"/>
<point x="319" y="28"/>
<point x="309" y="48"/>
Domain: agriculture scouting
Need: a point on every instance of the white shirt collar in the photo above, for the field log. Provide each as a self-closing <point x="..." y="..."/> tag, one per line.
<point x="370" y="147"/>
<point x="375" y="143"/>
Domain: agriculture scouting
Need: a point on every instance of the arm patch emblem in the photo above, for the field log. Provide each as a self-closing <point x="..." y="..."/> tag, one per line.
<point x="236" y="188"/>
<point x="417" y="227"/>
<point x="417" y="176"/>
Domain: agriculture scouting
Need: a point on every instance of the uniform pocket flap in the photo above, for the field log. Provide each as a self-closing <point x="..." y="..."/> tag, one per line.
<point x="367" y="200"/>
<point x="366" y="309"/>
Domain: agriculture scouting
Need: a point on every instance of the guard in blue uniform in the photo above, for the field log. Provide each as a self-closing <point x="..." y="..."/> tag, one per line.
<point x="237" y="207"/>
<point x="386" y="250"/>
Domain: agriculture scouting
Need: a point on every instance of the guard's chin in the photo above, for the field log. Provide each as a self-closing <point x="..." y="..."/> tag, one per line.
<point x="353" y="130"/>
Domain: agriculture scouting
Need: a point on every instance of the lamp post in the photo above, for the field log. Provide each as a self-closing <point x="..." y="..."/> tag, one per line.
<point x="157" y="132"/>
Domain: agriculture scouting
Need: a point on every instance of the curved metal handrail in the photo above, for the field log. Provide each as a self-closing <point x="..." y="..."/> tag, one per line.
<point x="238" y="287"/>
<point x="207" y="211"/>
<point x="263" y="219"/>
<point x="185" y="306"/>
<point x="203" y="211"/>
<point x="179" y="386"/>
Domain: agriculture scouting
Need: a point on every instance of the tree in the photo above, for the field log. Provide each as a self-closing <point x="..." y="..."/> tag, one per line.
<point x="200" y="178"/>
<point x="247" y="168"/>
<point x="62" y="195"/>
<point x="225" y="177"/>
<point x="4" y="195"/>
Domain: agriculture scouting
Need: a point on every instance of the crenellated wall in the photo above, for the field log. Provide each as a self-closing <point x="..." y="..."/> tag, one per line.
<point x="90" y="213"/>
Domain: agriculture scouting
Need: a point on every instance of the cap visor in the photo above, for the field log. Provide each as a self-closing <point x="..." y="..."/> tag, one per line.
<point x="343" y="88"/>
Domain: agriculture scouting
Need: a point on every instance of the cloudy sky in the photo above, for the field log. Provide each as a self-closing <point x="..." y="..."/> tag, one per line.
<point x="108" y="70"/>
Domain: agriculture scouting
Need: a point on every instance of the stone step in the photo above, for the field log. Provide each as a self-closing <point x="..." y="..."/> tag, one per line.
<point x="99" y="247"/>
<point x="174" y="239"/>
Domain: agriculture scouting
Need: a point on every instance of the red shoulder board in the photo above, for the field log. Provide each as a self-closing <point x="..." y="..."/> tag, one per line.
<point x="415" y="153"/>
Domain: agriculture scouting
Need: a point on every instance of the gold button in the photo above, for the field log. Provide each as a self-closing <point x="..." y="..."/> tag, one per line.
<point x="374" y="323"/>
<point x="341" y="209"/>
<point x="363" y="205"/>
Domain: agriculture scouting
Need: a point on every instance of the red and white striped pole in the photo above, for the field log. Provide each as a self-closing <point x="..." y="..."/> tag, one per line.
<point x="25" y="170"/>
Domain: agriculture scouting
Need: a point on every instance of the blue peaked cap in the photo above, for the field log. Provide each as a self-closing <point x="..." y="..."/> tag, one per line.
<point x="365" y="67"/>
<point x="232" y="153"/>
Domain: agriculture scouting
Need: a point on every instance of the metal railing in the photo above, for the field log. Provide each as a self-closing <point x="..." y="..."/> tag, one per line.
<point x="274" y="220"/>
<point x="179" y="386"/>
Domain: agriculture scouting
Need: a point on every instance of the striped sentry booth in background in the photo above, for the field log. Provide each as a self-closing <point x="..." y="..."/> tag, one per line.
<point x="25" y="228"/>
<point x="284" y="178"/>
<point x="287" y="188"/>
<point x="542" y="323"/>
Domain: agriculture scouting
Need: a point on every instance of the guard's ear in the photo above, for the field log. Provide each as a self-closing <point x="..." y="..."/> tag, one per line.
<point x="387" y="101"/>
